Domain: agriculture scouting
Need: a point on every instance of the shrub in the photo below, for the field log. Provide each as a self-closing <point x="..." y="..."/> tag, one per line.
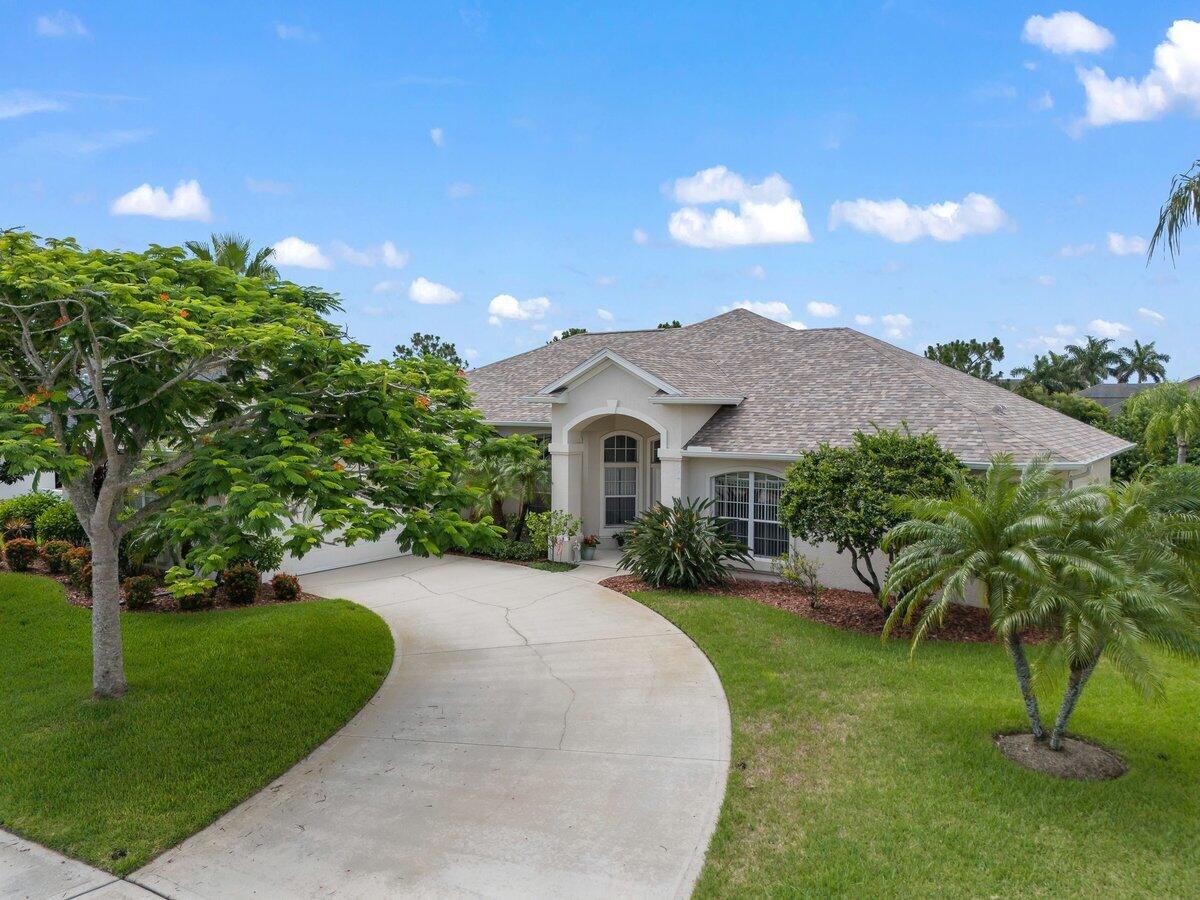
<point x="26" y="507"/>
<point x="84" y="581"/>
<point x="58" y="522"/>
<point x="17" y="528"/>
<point x="521" y="551"/>
<point x="799" y="571"/>
<point x="73" y="562"/>
<point x="544" y="526"/>
<point x="285" y="587"/>
<point x="19" y="553"/>
<point x="138" y="591"/>
<point x="680" y="546"/>
<point x="195" y="596"/>
<point x="54" y="553"/>
<point x="265" y="554"/>
<point x="241" y="583"/>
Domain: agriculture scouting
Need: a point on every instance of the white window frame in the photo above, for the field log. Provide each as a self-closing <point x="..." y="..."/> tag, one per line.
<point x="639" y="447"/>
<point x="751" y="519"/>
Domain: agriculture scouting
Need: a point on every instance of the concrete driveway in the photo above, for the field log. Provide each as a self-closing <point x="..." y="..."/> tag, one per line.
<point x="539" y="735"/>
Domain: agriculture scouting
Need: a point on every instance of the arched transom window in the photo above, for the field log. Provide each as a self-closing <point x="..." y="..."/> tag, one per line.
<point x="748" y="504"/>
<point x="620" y="479"/>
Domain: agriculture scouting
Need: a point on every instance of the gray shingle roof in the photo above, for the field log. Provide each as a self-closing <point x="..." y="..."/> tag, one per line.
<point x="803" y="388"/>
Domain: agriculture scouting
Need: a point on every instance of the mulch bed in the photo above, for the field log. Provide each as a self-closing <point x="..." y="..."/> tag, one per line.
<point x="163" y="601"/>
<point x="1078" y="759"/>
<point x="848" y="610"/>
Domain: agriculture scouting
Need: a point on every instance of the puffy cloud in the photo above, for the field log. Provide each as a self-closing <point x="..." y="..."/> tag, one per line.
<point x="1173" y="81"/>
<point x="772" y="309"/>
<point x="386" y="253"/>
<point x="604" y="315"/>
<point x="1072" y="250"/>
<point x="352" y="256"/>
<point x="391" y="257"/>
<point x="640" y="237"/>
<point x="1066" y="32"/>
<point x="430" y="293"/>
<point x="21" y="103"/>
<point x="61" y="24"/>
<point x="1125" y="244"/>
<point x="438" y="136"/>
<point x="766" y="213"/>
<point x="822" y="310"/>
<point x="292" y="251"/>
<point x="901" y="223"/>
<point x="1106" y="329"/>
<point x="897" y="325"/>
<point x="187" y="201"/>
<point x="861" y="319"/>
<point x="506" y="306"/>
<point x="1042" y="103"/>
<point x="1152" y="314"/>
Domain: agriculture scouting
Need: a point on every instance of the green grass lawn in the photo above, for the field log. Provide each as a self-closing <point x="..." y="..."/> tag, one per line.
<point x="219" y="704"/>
<point x="549" y="565"/>
<point x="857" y="772"/>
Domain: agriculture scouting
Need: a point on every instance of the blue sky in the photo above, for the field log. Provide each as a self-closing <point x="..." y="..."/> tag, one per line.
<point x="534" y="167"/>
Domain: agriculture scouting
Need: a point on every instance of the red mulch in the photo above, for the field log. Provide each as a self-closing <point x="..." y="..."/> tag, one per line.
<point x="847" y="610"/>
<point x="163" y="601"/>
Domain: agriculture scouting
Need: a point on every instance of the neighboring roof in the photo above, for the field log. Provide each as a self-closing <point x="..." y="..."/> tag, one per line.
<point x="1112" y="396"/>
<point x="803" y="388"/>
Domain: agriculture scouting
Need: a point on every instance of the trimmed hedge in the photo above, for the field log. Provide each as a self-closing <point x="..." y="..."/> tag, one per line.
<point x="58" y="522"/>
<point x="19" y="553"/>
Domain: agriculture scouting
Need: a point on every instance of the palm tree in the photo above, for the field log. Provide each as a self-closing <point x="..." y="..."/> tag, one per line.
<point x="1093" y="359"/>
<point x="232" y="251"/>
<point x="507" y="467"/>
<point x="999" y="534"/>
<point x="1139" y="596"/>
<point x="1181" y="210"/>
<point x="531" y="475"/>
<point x="1143" y="361"/>
<point x="1054" y="372"/>
<point x="1175" y="413"/>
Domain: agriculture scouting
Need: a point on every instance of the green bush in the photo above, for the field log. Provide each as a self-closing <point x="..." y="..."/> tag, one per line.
<point x="58" y="522"/>
<point x="53" y="552"/>
<point x="27" y="506"/>
<point x="680" y="546"/>
<point x="797" y="570"/>
<point x="520" y="551"/>
<point x="194" y="597"/>
<point x="285" y="587"/>
<point x="73" y="562"/>
<point x="138" y="591"/>
<point x="16" y="528"/>
<point x="543" y="526"/>
<point x="84" y="581"/>
<point x="241" y="583"/>
<point x="19" y="553"/>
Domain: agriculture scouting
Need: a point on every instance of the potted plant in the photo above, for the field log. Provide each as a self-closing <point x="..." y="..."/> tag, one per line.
<point x="619" y="537"/>
<point x="588" y="545"/>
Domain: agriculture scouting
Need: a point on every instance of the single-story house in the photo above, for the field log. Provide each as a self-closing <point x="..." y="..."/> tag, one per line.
<point x="1112" y="395"/>
<point x="719" y="409"/>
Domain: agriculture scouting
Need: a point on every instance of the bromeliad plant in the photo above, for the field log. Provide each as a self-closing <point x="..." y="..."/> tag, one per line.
<point x="680" y="546"/>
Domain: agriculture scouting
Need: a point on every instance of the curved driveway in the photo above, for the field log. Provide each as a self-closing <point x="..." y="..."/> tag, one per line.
<point x="539" y="735"/>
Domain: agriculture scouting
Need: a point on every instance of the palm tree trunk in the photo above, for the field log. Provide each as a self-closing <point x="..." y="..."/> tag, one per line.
<point x="1075" y="683"/>
<point x="498" y="510"/>
<point x="1016" y="650"/>
<point x="1181" y="452"/>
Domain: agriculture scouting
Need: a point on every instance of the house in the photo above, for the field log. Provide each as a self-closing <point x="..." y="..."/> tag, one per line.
<point x="1112" y="396"/>
<point x="718" y="409"/>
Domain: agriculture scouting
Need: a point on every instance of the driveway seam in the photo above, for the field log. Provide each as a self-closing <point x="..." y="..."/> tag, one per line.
<point x="621" y="753"/>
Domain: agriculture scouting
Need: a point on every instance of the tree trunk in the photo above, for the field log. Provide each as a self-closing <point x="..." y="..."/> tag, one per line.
<point x="1016" y="650"/>
<point x="519" y="529"/>
<point x="498" y="511"/>
<point x="1181" y="452"/>
<point x="108" y="660"/>
<point x="872" y="583"/>
<point x="1075" y="683"/>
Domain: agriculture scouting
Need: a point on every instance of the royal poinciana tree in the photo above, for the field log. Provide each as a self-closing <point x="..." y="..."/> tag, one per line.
<point x="171" y="393"/>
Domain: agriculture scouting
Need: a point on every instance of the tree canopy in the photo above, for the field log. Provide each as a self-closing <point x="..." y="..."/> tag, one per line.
<point x="971" y="356"/>
<point x="232" y="251"/>
<point x="1180" y="211"/>
<point x="430" y="346"/>
<point x="153" y="383"/>
<point x="566" y="333"/>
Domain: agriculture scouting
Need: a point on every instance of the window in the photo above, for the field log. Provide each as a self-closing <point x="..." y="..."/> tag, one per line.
<point x="748" y="502"/>
<point x="655" y="446"/>
<point x="620" y="479"/>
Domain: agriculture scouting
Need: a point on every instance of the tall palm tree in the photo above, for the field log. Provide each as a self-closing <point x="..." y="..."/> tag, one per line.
<point x="1144" y="361"/>
<point x="1139" y="596"/>
<point x="1054" y="372"/>
<point x="1175" y="413"/>
<point x="232" y="251"/>
<point x="1093" y="359"/>
<point x="999" y="534"/>
<point x="1181" y="210"/>
<point x="531" y="475"/>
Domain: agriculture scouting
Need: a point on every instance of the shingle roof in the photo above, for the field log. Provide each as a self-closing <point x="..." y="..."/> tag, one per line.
<point x="803" y="388"/>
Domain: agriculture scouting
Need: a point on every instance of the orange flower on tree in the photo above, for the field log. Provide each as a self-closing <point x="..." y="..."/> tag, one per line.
<point x="338" y="467"/>
<point x="422" y="401"/>
<point x="183" y="313"/>
<point x="346" y="442"/>
<point x="164" y="296"/>
<point x="39" y="430"/>
<point x="61" y="321"/>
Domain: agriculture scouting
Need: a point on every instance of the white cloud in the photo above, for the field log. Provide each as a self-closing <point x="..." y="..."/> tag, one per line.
<point x="1125" y="244"/>
<point x="1173" y="81"/>
<point x="1045" y="280"/>
<point x="187" y="201"/>
<point x="388" y="287"/>
<point x="797" y="324"/>
<point x="21" y="103"/>
<point x="861" y="319"/>
<point x="460" y="190"/>
<point x="640" y="237"/>
<point x="470" y="353"/>
<point x="506" y="306"/>
<point x="1066" y="32"/>
<point x="438" y="136"/>
<point x="391" y="257"/>
<point x="1042" y="103"/>
<point x="1106" y="329"/>
<point x="386" y="253"/>
<point x="430" y="293"/>
<point x="901" y="223"/>
<point x="897" y="325"/>
<point x="766" y="213"/>
<point x="1153" y="315"/>
<point x="73" y="144"/>
<point x="1055" y="341"/>
<point x="296" y="33"/>
<point x="292" y="251"/>
<point x="757" y="272"/>
<point x="352" y="256"/>
<point x="604" y="315"/>
<point x="1072" y="250"/>
<point x="267" y="186"/>
<point x="822" y="310"/>
<point x="772" y="309"/>
<point x="606" y="280"/>
<point x="61" y="24"/>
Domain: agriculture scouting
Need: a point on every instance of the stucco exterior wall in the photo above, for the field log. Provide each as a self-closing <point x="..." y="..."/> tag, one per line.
<point x="593" y="469"/>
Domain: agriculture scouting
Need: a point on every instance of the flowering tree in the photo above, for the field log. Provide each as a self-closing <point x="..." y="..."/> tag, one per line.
<point x="156" y="385"/>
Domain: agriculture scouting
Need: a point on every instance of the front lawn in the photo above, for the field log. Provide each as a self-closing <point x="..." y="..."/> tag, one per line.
<point x="857" y="772"/>
<point x="220" y="703"/>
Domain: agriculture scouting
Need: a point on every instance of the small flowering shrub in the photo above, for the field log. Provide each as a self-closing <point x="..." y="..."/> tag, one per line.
<point x="138" y="591"/>
<point x="241" y="583"/>
<point x="19" y="553"/>
<point x="285" y="587"/>
<point x="54" y="553"/>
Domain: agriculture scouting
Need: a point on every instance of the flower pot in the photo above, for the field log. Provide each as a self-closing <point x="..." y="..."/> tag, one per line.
<point x="587" y="552"/>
